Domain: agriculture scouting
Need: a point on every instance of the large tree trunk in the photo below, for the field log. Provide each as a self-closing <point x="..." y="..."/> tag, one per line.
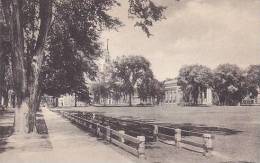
<point x="1" y="67"/>
<point x="28" y="94"/>
<point x="17" y="41"/>
<point x="35" y="94"/>
<point x="6" y="98"/>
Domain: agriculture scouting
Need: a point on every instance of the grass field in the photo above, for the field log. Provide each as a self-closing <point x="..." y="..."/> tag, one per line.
<point x="236" y="129"/>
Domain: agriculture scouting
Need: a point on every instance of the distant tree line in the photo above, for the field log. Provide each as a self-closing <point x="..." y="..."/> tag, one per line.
<point x="127" y="75"/>
<point x="229" y="83"/>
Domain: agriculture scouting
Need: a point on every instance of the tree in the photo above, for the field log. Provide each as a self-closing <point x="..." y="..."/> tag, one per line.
<point x="229" y="83"/>
<point x="5" y="67"/>
<point x="100" y="91"/>
<point x="65" y="70"/>
<point x="130" y="70"/>
<point x="144" y="88"/>
<point x="194" y="81"/>
<point x="158" y="91"/>
<point x="116" y="90"/>
<point x="253" y="80"/>
<point x="151" y="88"/>
<point x="30" y="23"/>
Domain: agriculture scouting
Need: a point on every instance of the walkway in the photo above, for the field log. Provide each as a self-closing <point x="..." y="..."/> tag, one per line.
<point x="65" y="144"/>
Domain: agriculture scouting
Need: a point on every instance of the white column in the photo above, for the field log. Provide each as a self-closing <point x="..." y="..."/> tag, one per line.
<point x="209" y="97"/>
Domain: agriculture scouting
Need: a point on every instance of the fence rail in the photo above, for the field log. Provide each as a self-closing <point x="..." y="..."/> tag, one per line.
<point x="177" y="137"/>
<point x="118" y="138"/>
<point x="101" y="126"/>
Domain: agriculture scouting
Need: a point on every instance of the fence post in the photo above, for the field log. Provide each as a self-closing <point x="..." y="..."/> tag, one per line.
<point x="77" y="119"/>
<point x="121" y="138"/>
<point x="208" y="146"/>
<point x="108" y="122"/>
<point x="141" y="147"/>
<point x="108" y="133"/>
<point x="98" y="131"/>
<point x="90" y="127"/>
<point x="155" y="133"/>
<point x="177" y="137"/>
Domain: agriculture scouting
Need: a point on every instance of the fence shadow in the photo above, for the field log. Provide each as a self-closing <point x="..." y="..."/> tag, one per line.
<point x="204" y="129"/>
<point x="237" y="162"/>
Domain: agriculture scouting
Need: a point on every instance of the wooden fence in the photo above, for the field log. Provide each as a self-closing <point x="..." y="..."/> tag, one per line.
<point x="175" y="134"/>
<point x="101" y="125"/>
<point x="134" y="145"/>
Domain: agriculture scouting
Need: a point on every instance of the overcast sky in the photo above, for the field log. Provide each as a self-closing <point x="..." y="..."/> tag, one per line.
<point x="208" y="32"/>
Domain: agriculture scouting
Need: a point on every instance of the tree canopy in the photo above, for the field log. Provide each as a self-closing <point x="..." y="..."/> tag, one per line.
<point x="253" y="74"/>
<point x="131" y="70"/>
<point x="151" y="88"/>
<point x="49" y="27"/>
<point x="194" y="80"/>
<point x="229" y="83"/>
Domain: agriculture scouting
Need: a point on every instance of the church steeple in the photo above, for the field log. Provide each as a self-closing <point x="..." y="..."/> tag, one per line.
<point x="107" y="56"/>
<point x="106" y="65"/>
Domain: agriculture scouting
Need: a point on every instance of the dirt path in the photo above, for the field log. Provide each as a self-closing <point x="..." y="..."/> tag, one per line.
<point x="65" y="144"/>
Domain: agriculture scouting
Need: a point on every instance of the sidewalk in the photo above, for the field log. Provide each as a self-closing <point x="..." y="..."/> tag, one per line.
<point x="65" y="144"/>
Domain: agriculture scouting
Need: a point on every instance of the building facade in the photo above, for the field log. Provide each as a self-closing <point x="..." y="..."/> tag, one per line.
<point x="174" y="94"/>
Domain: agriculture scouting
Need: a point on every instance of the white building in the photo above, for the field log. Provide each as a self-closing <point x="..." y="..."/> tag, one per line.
<point x="174" y="94"/>
<point x="70" y="100"/>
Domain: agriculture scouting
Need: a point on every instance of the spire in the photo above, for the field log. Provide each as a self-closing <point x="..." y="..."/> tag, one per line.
<point x="107" y="47"/>
<point x="107" y="56"/>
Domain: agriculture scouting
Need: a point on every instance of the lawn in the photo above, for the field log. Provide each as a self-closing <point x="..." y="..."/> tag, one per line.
<point x="236" y="129"/>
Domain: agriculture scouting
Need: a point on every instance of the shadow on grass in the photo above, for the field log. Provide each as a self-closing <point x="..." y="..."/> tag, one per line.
<point x="151" y="146"/>
<point x="41" y="126"/>
<point x="203" y="129"/>
<point x="40" y="143"/>
<point x="192" y="150"/>
<point x="237" y="162"/>
<point x="5" y="132"/>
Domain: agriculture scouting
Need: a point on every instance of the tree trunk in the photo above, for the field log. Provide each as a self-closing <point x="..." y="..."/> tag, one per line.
<point x="35" y="95"/>
<point x="17" y="41"/>
<point x="2" y="71"/>
<point x="6" y="98"/>
<point x="13" y="100"/>
<point x="28" y="94"/>
<point x="75" y="100"/>
<point x="130" y="99"/>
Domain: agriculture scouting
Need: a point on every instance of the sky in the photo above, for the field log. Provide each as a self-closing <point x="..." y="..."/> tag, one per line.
<point x="206" y="32"/>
